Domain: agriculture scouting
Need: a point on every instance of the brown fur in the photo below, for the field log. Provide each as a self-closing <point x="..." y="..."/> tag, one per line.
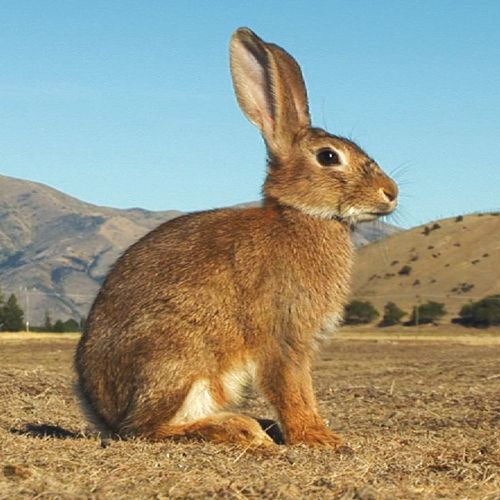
<point x="212" y="301"/>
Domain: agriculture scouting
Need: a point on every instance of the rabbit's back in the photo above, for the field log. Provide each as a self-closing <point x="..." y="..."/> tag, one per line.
<point x="218" y="266"/>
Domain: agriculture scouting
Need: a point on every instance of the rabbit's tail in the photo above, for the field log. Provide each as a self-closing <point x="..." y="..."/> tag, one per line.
<point x="96" y="420"/>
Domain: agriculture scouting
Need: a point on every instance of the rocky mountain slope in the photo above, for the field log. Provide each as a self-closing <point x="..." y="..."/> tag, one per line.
<point x="55" y="249"/>
<point x="453" y="261"/>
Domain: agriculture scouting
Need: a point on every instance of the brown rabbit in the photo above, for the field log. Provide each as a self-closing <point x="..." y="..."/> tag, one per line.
<point x="212" y="301"/>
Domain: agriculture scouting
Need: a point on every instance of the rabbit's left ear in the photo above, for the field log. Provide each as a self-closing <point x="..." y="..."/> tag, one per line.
<point x="270" y="88"/>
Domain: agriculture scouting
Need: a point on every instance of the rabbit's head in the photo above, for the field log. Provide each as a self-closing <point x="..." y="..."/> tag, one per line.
<point x="321" y="174"/>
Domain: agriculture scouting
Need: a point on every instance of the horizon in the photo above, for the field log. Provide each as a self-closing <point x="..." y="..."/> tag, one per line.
<point x="383" y="220"/>
<point x="130" y="105"/>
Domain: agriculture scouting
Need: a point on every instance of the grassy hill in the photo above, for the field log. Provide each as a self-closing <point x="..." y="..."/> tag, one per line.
<point x="453" y="261"/>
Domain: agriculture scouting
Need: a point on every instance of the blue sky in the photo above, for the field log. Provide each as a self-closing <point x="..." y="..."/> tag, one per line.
<point x="130" y="103"/>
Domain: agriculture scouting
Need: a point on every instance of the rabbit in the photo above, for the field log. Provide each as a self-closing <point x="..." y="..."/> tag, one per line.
<point x="211" y="302"/>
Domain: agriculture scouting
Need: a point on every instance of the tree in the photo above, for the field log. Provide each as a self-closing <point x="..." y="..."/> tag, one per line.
<point x="483" y="313"/>
<point x="58" y="326"/>
<point x="47" y="325"/>
<point x="12" y="316"/>
<point x="392" y="315"/>
<point x="71" y="325"/>
<point x="359" y="312"/>
<point x="430" y="312"/>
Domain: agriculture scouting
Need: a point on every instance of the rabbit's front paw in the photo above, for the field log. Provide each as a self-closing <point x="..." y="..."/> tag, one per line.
<point x="316" y="436"/>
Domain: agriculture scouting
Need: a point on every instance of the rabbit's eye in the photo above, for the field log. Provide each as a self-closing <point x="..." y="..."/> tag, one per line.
<point x="328" y="157"/>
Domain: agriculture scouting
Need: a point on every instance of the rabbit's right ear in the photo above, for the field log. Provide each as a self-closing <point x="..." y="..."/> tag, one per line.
<point x="269" y="87"/>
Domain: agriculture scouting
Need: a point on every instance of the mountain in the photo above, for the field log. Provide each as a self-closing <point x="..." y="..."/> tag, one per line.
<point x="369" y="232"/>
<point x="55" y="250"/>
<point x="453" y="261"/>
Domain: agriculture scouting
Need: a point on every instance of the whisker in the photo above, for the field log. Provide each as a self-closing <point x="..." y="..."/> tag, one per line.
<point x="323" y="114"/>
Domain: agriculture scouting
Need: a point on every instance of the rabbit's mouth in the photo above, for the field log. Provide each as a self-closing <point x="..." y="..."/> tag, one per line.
<point x="366" y="216"/>
<point x="358" y="214"/>
<point x="380" y="213"/>
<point x="383" y="209"/>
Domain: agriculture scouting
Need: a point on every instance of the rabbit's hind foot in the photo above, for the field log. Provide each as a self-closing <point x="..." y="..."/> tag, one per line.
<point x="231" y="428"/>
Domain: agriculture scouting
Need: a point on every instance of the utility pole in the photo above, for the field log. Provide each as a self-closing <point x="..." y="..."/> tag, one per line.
<point x="417" y="311"/>
<point x="27" y="300"/>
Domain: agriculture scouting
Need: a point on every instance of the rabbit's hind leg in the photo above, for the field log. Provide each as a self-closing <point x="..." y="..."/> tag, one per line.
<point x="201" y="417"/>
<point x="221" y="427"/>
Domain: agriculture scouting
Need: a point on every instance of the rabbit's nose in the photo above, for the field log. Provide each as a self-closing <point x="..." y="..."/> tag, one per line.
<point x="390" y="190"/>
<point x="390" y="195"/>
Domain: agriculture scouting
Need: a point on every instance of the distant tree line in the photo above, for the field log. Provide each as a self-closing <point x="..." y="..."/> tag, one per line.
<point x="12" y="319"/>
<point x="60" y="326"/>
<point x="480" y="314"/>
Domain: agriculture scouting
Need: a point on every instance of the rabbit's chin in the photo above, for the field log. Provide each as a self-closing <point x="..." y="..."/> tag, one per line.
<point x="351" y="216"/>
<point x="363" y="217"/>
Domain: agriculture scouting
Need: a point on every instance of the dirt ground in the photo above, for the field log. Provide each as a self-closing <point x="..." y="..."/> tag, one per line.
<point x="420" y="413"/>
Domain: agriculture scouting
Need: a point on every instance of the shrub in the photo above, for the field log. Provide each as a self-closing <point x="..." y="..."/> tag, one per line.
<point x="405" y="270"/>
<point x="358" y="312"/>
<point x="392" y="315"/>
<point x="463" y="287"/>
<point x="70" y="325"/>
<point x="427" y="313"/>
<point x="58" y="327"/>
<point x="427" y="230"/>
<point x="483" y="313"/>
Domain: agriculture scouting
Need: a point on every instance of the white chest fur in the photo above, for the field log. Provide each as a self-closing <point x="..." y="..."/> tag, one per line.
<point x="200" y="401"/>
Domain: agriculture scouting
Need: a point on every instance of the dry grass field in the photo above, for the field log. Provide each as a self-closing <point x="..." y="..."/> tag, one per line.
<point x="420" y="413"/>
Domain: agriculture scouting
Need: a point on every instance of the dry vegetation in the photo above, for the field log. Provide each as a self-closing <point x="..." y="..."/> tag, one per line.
<point x="421" y="415"/>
